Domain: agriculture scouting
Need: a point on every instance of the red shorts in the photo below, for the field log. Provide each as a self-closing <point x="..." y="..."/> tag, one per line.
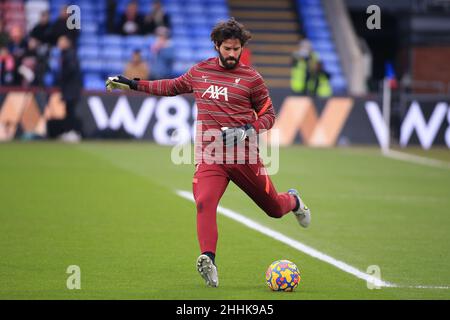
<point x="209" y="184"/>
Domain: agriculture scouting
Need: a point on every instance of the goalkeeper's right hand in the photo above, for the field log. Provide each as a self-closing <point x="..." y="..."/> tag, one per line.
<point x="120" y="82"/>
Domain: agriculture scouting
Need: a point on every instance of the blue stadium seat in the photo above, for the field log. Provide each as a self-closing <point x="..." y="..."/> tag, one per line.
<point x="181" y="67"/>
<point x="111" y="40"/>
<point x="183" y="42"/>
<point x="200" y="55"/>
<point x="174" y="8"/>
<point x="320" y="45"/>
<point x="332" y="67"/>
<point x="178" y="18"/>
<point x="91" y="65"/>
<point x="203" y="45"/>
<point x="317" y="30"/>
<point x="200" y="22"/>
<point x="111" y="52"/>
<point x="328" y="55"/>
<point x="49" y="79"/>
<point x="93" y="81"/>
<point x="201" y="31"/>
<point x="88" y="39"/>
<point x="184" y="55"/>
<point x="85" y="6"/>
<point x="89" y="27"/>
<point x="316" y="22"/>
<point x="310" y="2"/>
<point x="88" y="51"/>
<point x="113" y="67"/>
<point x="338" y="83"/>
<point x="181" y="32"/>
<point x="136" y="41"/>
<point x="194" y="10"/>
<point x="314" y="33"/>
<point x="55" y="52"/>
<point x="53" y="64"/>
<point x="101" y="54"/>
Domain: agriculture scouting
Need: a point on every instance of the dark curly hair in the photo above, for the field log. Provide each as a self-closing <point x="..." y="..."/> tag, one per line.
<point x="230" y="29"/>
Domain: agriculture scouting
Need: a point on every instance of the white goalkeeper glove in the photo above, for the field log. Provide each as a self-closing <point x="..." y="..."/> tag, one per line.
<point x="233" y="136"/>
<point x="120" y="82"/>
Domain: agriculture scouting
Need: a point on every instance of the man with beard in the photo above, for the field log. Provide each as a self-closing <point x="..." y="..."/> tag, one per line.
<point x="233" y="107"/>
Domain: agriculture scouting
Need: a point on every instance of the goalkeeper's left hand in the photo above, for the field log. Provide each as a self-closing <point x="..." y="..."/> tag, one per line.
<point x="120" y="82"/>
<point x="233" y="136"/>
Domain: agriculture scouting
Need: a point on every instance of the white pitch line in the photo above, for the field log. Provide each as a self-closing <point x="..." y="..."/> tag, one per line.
<point x="306" y="249"/>
<point x="416" y="159"/>
<point x="294" y="243"/>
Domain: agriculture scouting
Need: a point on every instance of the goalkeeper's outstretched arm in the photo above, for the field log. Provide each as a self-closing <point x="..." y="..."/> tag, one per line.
<point x="164" y="87"/>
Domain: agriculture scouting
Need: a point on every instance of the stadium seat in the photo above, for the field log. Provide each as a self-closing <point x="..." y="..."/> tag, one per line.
<point x="339" y="84"/>
<point x="317" y="30"/>
<point x="113" y="68"/>
<point x="111" y="52"/>
<point x="93" y="81"/>
<point x="328" y="55"/>
<point x="101" y="54"/>
<point x="89" y="27"/>
<point x="332" y="67"/>
<point x="88" y="39"/>
<point x="91" y="65"/>
<point x="184" y="55"/>
<point x="111" y="40"/>
<point x="89" y="52"/>
<point x="49" y="79"/>
<point x="136" y="42"/>
<point x="319" y="45"/>
<point x="200" y="55"/>
<point x="181" y="67"/>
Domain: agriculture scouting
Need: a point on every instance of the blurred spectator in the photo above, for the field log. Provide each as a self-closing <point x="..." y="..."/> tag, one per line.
<point x="28" y="64"/>
<point x="17" y="46"/>
<point x="304" y="62"/>
<point x="111" y="6"/>
<point x="136" y="67"/>
<point x="70" y="82"/>
<point x="157" y="17"/>
<point x="131" y="21"/>
<point x="59" y="28"/>
<point x="163" y="55"/>
<point x="6" y="67"/>
<point x="4" y="38"/>
<point x="34" y="63"/>
<point x="319" y="82"/>
<point x="42" y="31"/>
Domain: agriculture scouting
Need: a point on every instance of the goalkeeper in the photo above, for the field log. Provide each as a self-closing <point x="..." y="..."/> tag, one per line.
<point x="233" y="106"/>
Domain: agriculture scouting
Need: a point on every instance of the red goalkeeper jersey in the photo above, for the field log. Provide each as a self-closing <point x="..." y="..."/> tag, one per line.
<point x="224" y="97"/>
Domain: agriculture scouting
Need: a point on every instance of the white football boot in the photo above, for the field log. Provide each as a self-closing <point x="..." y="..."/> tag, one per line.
<point x="207" y="270"/>
<point x="303" y="214"/>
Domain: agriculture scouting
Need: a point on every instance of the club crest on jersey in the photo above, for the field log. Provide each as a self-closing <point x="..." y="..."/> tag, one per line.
<point x="215" y="92"/>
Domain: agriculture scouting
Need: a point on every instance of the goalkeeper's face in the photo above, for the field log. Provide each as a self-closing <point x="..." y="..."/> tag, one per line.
<point x="229" y="53"/>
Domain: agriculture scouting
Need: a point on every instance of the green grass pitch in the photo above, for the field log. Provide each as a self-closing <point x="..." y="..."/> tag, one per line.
<point x="112" y="210"/>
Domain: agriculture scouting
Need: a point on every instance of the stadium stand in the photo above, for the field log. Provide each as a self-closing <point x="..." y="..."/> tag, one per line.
<point x="317" y="30"/>
<point x="102" y="54"/>
<point x="275" y="35"/>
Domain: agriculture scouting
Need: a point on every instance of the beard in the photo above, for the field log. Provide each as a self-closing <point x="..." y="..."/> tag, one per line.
<point x="228" y="62"/>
